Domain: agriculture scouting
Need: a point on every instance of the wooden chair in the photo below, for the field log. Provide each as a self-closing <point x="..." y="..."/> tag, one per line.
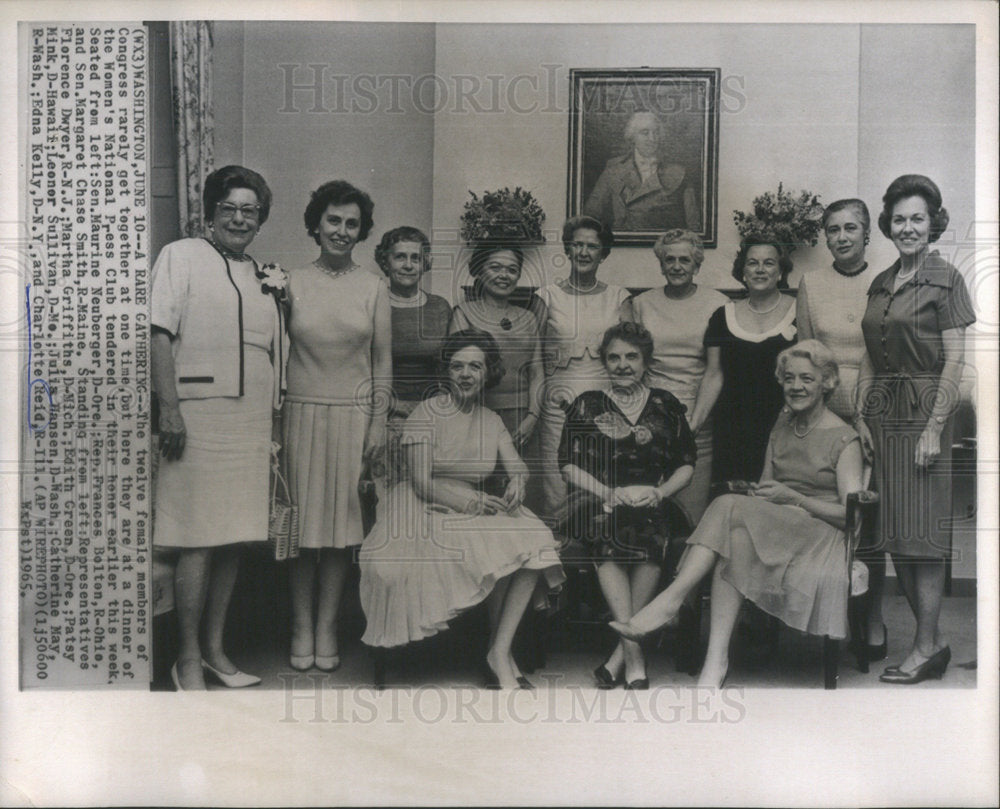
<point x="861" y="506"/>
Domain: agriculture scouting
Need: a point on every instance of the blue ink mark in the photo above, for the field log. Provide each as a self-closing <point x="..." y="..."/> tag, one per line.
<point x="33" y="382"/>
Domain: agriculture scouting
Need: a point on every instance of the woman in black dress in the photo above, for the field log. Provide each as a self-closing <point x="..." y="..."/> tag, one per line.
<point x="750" y="334"/>
<point x="625" y="450"/>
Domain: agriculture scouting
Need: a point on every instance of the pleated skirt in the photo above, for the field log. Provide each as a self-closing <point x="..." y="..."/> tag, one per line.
<point x="322" y="446"/>
<point x="422" y="565"/>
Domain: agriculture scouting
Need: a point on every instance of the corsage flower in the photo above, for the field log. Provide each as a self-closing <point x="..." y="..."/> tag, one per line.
<point x="643" y="435"/>
<point x="273" y="281"/>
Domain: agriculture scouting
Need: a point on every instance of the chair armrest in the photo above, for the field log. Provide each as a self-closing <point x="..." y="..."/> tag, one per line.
<point x="860" y="510"/>
<point x="730" y="487"/>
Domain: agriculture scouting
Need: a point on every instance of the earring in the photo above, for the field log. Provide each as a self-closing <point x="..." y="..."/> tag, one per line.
<point x="867" y="239"/>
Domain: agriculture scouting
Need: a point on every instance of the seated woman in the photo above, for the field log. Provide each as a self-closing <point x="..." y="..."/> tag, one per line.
<point x="629" y="447"/>
<point x="443" y="544"/>
<point x="782" y="546"/>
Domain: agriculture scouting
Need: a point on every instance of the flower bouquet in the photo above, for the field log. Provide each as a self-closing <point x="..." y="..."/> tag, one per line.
<point x="503" y="216"/>
<point x="791" y="220"/>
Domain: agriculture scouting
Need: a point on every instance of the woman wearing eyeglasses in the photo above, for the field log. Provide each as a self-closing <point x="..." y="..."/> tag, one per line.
<point x="339" y="369"/>
<point x="217" y="358"/>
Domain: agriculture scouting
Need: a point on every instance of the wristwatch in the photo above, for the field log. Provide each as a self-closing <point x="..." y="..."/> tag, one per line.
<point x="940" y="419"/>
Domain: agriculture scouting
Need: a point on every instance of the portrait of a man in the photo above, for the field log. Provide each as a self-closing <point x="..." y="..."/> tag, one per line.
<point x="643" y="150"/>
<point x="643" y="189"/>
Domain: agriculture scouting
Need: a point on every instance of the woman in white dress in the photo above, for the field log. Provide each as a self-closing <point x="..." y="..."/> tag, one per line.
<point x="217" y="356"/>
<point x="443" y="544"/>
<point x="575" y="313"/>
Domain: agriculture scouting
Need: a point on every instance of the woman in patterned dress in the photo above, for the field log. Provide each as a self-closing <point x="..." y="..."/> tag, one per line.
<point x="626" y="449"/>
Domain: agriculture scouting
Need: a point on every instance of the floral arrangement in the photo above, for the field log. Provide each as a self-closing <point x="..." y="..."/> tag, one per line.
<point x="788" y="219"/>
<point x="503" y="215"/>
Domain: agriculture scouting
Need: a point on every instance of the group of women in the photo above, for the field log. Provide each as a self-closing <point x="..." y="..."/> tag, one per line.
<point x="589" y="411"/>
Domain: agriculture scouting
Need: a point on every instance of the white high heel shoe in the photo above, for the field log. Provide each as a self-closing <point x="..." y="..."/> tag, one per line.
<point x="238" y="679"/>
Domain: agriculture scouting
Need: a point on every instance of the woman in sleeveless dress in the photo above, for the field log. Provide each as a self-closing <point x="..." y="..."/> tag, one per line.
<point x="443" y="544"/>
<point x="781" y="546"/>
<point x="339" y="366"/>
<point x="677" y="316"/>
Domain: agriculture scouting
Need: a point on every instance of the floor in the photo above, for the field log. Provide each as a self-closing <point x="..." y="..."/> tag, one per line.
<point x="257" y="639"/>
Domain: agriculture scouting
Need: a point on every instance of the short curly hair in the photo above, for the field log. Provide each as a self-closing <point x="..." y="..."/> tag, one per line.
<point x="220" y="182"/>
<point x="819" y="355"/>
<point x="635" y="334"/>
<point x="402" y="234"/>
<point x="677" y="236"/>
<point x="480" y="339"/>
<point x="784" y="258"/>
<point x="338" y="192"/>
<point x="914" y="185"/>
<point x="604" y="234"/>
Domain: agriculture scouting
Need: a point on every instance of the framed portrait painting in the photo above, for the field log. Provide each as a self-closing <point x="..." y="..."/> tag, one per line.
<point x="643" y="150"/>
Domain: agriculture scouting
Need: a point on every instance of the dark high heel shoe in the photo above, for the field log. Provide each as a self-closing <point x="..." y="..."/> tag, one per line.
<point x="641" y="684"/>
<point x="490" y="680"/>
<point x="933" y="667"/>
<point x="525" y="684"/>
<point x="605" y="679"/>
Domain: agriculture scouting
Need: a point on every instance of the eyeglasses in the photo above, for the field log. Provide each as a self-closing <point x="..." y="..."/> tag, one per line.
<point x="228" y="210"/>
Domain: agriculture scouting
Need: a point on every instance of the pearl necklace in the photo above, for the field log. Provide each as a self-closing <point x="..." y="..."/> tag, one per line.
<point x="412" y="302"/>
<point x="319" y="265"/>
<point x="573" y="286"/>
<point x="795" y="428"/>
<point x="765" y="311"/>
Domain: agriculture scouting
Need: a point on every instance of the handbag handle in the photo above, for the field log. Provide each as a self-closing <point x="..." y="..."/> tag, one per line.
<point x="276" y="468"/>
